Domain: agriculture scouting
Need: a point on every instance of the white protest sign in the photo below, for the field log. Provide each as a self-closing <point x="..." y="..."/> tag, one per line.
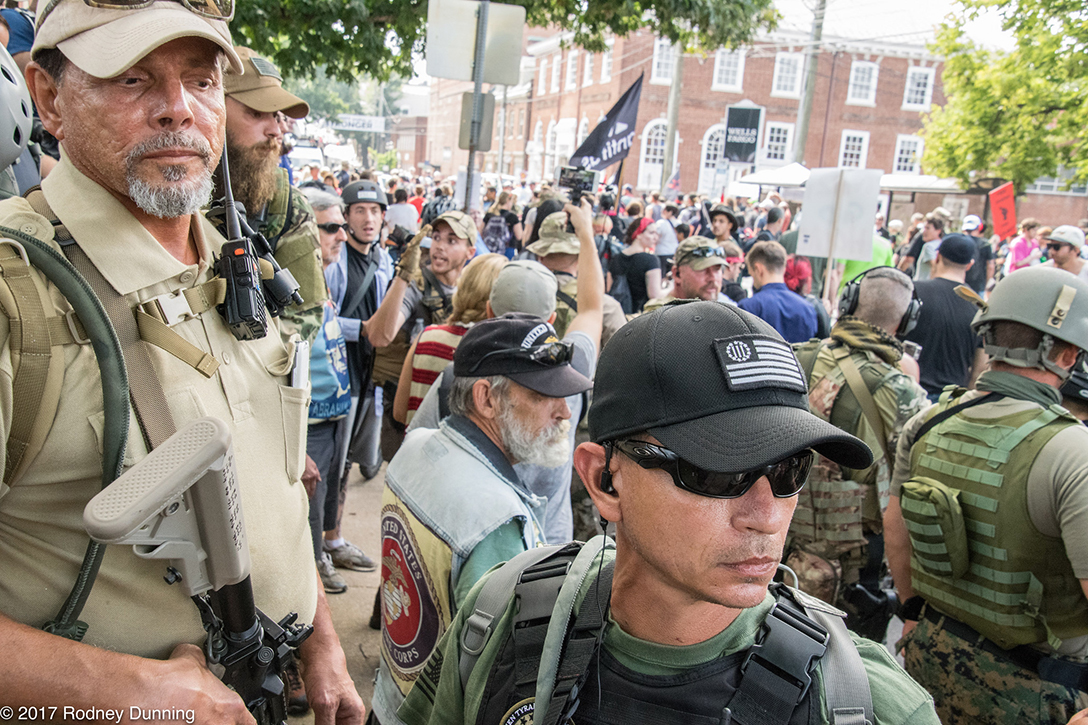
<point x="837" y="215"/>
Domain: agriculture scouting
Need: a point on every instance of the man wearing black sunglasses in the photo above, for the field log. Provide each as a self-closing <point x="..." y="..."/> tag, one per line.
<point x="701" y="439"/>
<point x="1063" y="249"/>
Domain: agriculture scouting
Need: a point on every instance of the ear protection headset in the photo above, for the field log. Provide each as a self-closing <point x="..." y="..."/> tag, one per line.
<point x="848" y="303"/>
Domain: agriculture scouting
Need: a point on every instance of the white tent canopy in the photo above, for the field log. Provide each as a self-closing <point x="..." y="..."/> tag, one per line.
<point x="796" y="175"/>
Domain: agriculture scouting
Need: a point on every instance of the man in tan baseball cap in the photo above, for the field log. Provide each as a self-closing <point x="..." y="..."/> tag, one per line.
<point x="135" y="97"/>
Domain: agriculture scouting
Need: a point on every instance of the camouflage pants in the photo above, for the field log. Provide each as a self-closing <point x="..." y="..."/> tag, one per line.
<point x="972" y="686"/>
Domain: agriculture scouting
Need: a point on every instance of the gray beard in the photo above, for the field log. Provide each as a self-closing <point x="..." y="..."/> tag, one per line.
<point x="176" y="198"/>
<point x="548" y="448"/>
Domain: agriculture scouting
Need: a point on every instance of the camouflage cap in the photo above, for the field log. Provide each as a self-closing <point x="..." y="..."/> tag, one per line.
<point x="260" y="86"/>
<point x="461" y="223"/>
<point x="554" y="237"/>
<point x="699" y="253"/>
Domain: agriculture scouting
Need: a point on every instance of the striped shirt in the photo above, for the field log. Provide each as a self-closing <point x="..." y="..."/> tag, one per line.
<point x="434" y="351"/>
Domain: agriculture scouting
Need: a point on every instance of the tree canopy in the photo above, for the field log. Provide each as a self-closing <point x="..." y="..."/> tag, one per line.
<point x="378" y="38"/>
<point x="1017" y="114"/>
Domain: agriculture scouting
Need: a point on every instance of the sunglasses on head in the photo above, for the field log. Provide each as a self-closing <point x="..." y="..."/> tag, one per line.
<point x="549" y="355"/>
<point x="332" y="227"/>
<point x="212" y="9"/>
<point x="705" y="253"/>
<point x="787" y="477"/>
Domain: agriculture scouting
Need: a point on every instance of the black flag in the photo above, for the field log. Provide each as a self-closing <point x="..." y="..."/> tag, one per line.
<point x="611" y="139"/>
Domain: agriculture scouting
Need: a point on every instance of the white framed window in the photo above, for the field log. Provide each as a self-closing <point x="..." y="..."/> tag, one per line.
<point x="572" y="70"/>
<point x="557" y="70"/>
<point x="854" y="149"/>
<point x="713" y="148"/>
<point x="587" y="73"/>
<point x="543" y="76"/>
<point x="549" y="150"/>
<point x="664" y="62"/>
<point x="583" y="131"/>
<point x="652" y="155"/>
<point x="778" y="143"/>
<point x="908" y="154"/>
<point x="728" y="71"/>
<point x="862" y="88"/>
<point x="606" y="62"/>
<point x="918" y="93"/>
<point x="787" y="75"/>
<point x="1057" y="185"/>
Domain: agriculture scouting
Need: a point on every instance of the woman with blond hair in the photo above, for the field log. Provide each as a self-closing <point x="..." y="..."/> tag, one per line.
<point x="433" y="349"/>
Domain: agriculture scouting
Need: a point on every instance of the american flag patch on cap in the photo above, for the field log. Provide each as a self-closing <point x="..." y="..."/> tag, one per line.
<point x="752" y="362"/>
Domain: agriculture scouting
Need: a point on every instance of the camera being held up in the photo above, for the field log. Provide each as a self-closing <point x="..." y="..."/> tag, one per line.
<point x="577" y="182"/>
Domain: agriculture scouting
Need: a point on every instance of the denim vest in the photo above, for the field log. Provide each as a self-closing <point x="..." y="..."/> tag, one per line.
<point x="444" y="495"/>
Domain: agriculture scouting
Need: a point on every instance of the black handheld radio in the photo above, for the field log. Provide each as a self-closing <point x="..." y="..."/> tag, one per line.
<point x="243" y="309"/>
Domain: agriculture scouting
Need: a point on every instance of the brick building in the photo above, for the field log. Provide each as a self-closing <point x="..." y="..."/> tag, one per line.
<point x="866" y="112"/>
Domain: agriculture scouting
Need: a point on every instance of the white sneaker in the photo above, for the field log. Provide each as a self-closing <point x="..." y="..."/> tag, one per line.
<point x="330" y="578"/>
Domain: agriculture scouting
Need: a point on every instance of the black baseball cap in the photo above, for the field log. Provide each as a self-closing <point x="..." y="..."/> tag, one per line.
<point x="957" y="248"/>
<point x="521" y="347"/>
<point x="716" y="385"/>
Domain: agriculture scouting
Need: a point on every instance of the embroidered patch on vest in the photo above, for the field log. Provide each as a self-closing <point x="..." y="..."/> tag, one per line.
<point x="409" y="616"/>
<point x="751" y="362"/>
<point x="519" y="714"/>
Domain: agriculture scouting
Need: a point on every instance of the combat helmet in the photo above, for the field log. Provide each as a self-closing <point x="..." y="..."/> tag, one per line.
<point x="365" y="190"/>
<point x="1047" y="299"/>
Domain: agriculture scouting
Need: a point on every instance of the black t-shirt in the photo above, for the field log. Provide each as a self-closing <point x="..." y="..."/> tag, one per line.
<point x="916" y="244"/>
<point x="634" y="267"/>
<point x="945" y="334"/>
<point x="360" y="353"/>
<point x="976" y="275"/>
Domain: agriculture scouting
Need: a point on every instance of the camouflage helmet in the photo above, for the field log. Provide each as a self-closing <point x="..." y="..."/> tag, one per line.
<point x="1046" y="299"/>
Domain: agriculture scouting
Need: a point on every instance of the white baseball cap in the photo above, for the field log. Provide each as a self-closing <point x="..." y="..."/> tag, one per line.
<point x="971" y="223"/>
<point x="1069" y="234"/>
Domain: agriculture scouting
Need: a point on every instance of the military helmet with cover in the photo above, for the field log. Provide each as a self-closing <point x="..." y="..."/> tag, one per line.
<point x="1046" y="299"/>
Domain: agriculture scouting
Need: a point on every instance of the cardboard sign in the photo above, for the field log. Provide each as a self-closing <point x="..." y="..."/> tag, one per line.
<point x="1003" y="210"/>
<point x="837" y="214"/>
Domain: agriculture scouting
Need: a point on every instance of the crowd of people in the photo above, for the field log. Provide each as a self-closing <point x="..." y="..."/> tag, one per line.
<point x="781" y="453"/>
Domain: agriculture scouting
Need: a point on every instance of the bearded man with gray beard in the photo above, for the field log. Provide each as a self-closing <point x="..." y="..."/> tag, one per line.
<point x="453" y="505"/>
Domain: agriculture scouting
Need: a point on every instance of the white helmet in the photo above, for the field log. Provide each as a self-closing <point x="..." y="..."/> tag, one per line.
<point x="16" y="113"/>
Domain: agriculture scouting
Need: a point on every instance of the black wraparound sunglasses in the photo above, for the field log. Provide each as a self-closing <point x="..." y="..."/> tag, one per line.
<point x="332" y="227"/>
<point x="787" y="477"/>
<point x="549" y="355"/>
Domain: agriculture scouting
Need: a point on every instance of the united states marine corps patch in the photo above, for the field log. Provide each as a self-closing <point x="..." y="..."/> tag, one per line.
<point x="411" y="626"/>
<point x="520" y="714"/>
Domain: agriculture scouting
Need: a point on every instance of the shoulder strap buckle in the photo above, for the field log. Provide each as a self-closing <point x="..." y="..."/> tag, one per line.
<point x="170" y="308"/>
<point x="788" y="646"/>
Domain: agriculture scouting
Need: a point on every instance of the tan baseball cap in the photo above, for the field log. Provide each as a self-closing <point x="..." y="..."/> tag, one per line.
<point x="554" y="237"/>
<point x="104" y="42"/>
<point x="461" y="223"/>
<point x="260" y="86"/>
<point x="699" y="253"/>
<point x="524" y="286"/>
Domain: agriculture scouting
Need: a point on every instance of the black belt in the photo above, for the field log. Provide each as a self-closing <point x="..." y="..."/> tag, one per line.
<point x="1058" y="671"/>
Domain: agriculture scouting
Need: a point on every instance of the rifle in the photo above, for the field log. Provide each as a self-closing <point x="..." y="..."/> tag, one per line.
<point x="181" y="503"/>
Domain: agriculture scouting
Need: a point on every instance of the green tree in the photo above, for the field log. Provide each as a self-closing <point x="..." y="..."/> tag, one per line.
<point x="1017" y="114"/>
<point x="328" y="97"/>
<point x="380" y="37"/>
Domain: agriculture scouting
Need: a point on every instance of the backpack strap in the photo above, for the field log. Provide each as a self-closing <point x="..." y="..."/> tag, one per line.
<point x="861" y="392"/>
<point x="777" y="672"/>
<point x="570" y="301"/>
<point x="107" y="349"/>
<point x="493" y="600"/>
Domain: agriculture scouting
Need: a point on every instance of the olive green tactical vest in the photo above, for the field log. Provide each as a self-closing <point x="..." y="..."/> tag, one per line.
<point x="832" y="507"/>
<point x="291" y="229"/>
<point x="563" y="313"/>
<point x="975" y="554"/>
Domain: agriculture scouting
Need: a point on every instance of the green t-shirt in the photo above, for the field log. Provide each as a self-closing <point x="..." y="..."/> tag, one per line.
<point x="437" y="697"/>
<point x="882" y="257"/>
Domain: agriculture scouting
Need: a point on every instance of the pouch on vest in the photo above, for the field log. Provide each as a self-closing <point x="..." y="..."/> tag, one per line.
<point x="934" y="520"/>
